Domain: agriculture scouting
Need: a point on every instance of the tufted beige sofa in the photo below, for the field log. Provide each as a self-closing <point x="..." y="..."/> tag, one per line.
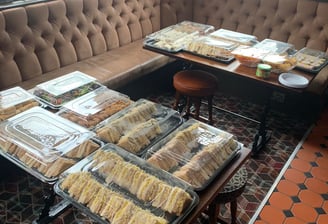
<point x="104" y="38"/>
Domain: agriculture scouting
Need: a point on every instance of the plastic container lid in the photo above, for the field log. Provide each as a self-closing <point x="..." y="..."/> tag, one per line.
<point x="195" y="152"/>
<point x="58" y="91"/>
<point x="293" y="80"/>
<point x="94" y="107"/>
<point x="14" y="101"/>
<point x="240" y="38"/>
<point x="275" y="47"/>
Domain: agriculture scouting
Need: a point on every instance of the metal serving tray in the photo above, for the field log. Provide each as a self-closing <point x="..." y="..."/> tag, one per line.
<point x="121" y="126"/>
<point x="56" y="92"/>
<point x="95" y="167"/>
<point x="94" y="107"/>
<point x="15" y="100"/>
<point x="44" y="144"/>
<point x="311" y="60"/>
<point x="193" y="150"/>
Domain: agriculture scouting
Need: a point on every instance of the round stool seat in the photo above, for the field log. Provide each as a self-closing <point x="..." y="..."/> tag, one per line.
<point x="234" y="187"/>
<point x="195" y="83"/>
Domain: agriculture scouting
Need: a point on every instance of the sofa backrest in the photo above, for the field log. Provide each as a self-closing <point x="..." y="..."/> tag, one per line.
<point x="300" y="22"/>
<point x="43" y="37"/>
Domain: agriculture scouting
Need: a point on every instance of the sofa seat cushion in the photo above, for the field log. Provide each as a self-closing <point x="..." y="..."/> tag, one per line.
<point x="114" y="68"/>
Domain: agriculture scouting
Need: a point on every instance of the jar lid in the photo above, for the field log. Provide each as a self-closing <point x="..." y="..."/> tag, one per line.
<point x="265" y="67"/>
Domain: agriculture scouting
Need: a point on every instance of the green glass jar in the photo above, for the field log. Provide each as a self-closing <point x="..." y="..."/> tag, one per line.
<point x="263" y="71"/>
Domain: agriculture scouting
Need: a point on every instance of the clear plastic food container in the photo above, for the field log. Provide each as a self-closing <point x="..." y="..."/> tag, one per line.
<point x="275" y="47"/>
<point x="174" y="38"/>
<point x="94" y="107"/>
<point x="112" y="185"/>
<point x="138" y="126"/>
<point x="63" y="89"/>
<point x="249" y="56"/>
<point x="311" y="60"/>
<point x="43" y="143"/>
<point x="195" y="152"/>
<point x="14" y="101"/>
<point x="237" y="37"/>
<point x="280" y="63"/>
<point x="212" y="48"/>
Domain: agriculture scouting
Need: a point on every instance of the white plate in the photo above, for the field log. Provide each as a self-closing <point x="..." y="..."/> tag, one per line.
<point x="293" y="80"/>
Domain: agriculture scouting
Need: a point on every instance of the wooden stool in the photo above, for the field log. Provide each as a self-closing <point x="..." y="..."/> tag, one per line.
<point x="195" y="85"/>
<point x="229" y="194"/>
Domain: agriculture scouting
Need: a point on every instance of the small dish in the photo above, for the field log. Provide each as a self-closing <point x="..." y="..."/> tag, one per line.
<point x="293" y="80"/>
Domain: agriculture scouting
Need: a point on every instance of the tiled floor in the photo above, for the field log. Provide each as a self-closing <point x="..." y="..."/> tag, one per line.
<point x="301" y="195"/>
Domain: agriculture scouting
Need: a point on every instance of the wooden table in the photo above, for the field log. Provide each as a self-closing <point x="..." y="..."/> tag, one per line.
<point x="236" y="69"/>
<point x="208" y="195"/>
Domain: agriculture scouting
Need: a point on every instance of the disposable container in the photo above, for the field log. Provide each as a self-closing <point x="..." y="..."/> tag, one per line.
<point x="102" y="183"/>
<point x="237" y="37"/>
<point x="94" y="107"/>
<point x="14" y="101"/>
<point x="311" y="60"/>
<point x="280" y="63"/>
<point x="56" y="92"/>
<point x="44" y="144"/>
<point x="138" y="126"/>
<point x="212" y="48"/>
<point x="249" y="56"/>
<point x="195" y="152"/>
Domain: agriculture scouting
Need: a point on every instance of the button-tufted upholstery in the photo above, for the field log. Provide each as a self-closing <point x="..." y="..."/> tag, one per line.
<point x="300" y="22"/>
<point x="104" y="37"/>
<point x="42" y="38"/>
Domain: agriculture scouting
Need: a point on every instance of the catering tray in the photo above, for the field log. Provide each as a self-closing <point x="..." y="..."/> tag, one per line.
<point x="99" y="185"/>
<point x="44" y="144"/>
<point x="211" y="48"/>
<point x="275" y="47"/>
<point x="56" y="92"/>
<point x="174" y="38"/>
<point x="94" y="107"/>
<point x="311" y="60"/>
<point x="195" y="152"/>
<point x="237" y="37"/>
<point x="14" y="101"/>
<point x="138" y="126"/>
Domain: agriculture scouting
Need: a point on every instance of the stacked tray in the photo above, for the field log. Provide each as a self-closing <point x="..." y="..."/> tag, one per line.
<point x="56" y="92"/>
<point x="174" y="38"/>
<point x="44" y="144"/>
<point x="212" y="48"/>
<point x="138" y="126"/>
<point x="94" y="107"/>
<point x="195" y="152"/>
<point x="14" y="101"/>
<point x="113" y="185"/>
<point x="237" y="37"/>
<point x="311" y="60"/>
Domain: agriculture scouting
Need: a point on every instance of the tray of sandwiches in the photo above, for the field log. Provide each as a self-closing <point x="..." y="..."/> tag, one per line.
<point x="94" y="107"/>
<point x="174" y="38"/>
<point x="212" y="48"/>
<point x="45" y="144"/>
<point x="195" y="153"/>
<point x="311" y="60"/>
<point x="138" y="126"/>
<point x="241" y="39"/>
<point x="56" y="92"/>
<point x="115" y="186"/>
<point x="14" y="101"/>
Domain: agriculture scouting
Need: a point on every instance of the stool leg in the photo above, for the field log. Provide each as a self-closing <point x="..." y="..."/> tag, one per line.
<point x="233" y="210"/>
<point x="210" y="108"/>
<point x="197" y="107"/>
<point x="213" y="212"/>
<point x="177" y="99"/>
<point x="188" y="105"/>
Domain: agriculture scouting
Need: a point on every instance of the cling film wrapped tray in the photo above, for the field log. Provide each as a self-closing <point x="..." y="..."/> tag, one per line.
<point x="94" y="107"/>
<point x="138" y="126"/>
<point x="14" y="101"/>
<point x="113" y="185"/>
<point x="195" y="152"/>
<point x="174" y="38"/>
<point x="44" y="144"/>
<point x="58" y="91"/>
<point x="311" y="60"/>
<point x="237" y="37"/>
